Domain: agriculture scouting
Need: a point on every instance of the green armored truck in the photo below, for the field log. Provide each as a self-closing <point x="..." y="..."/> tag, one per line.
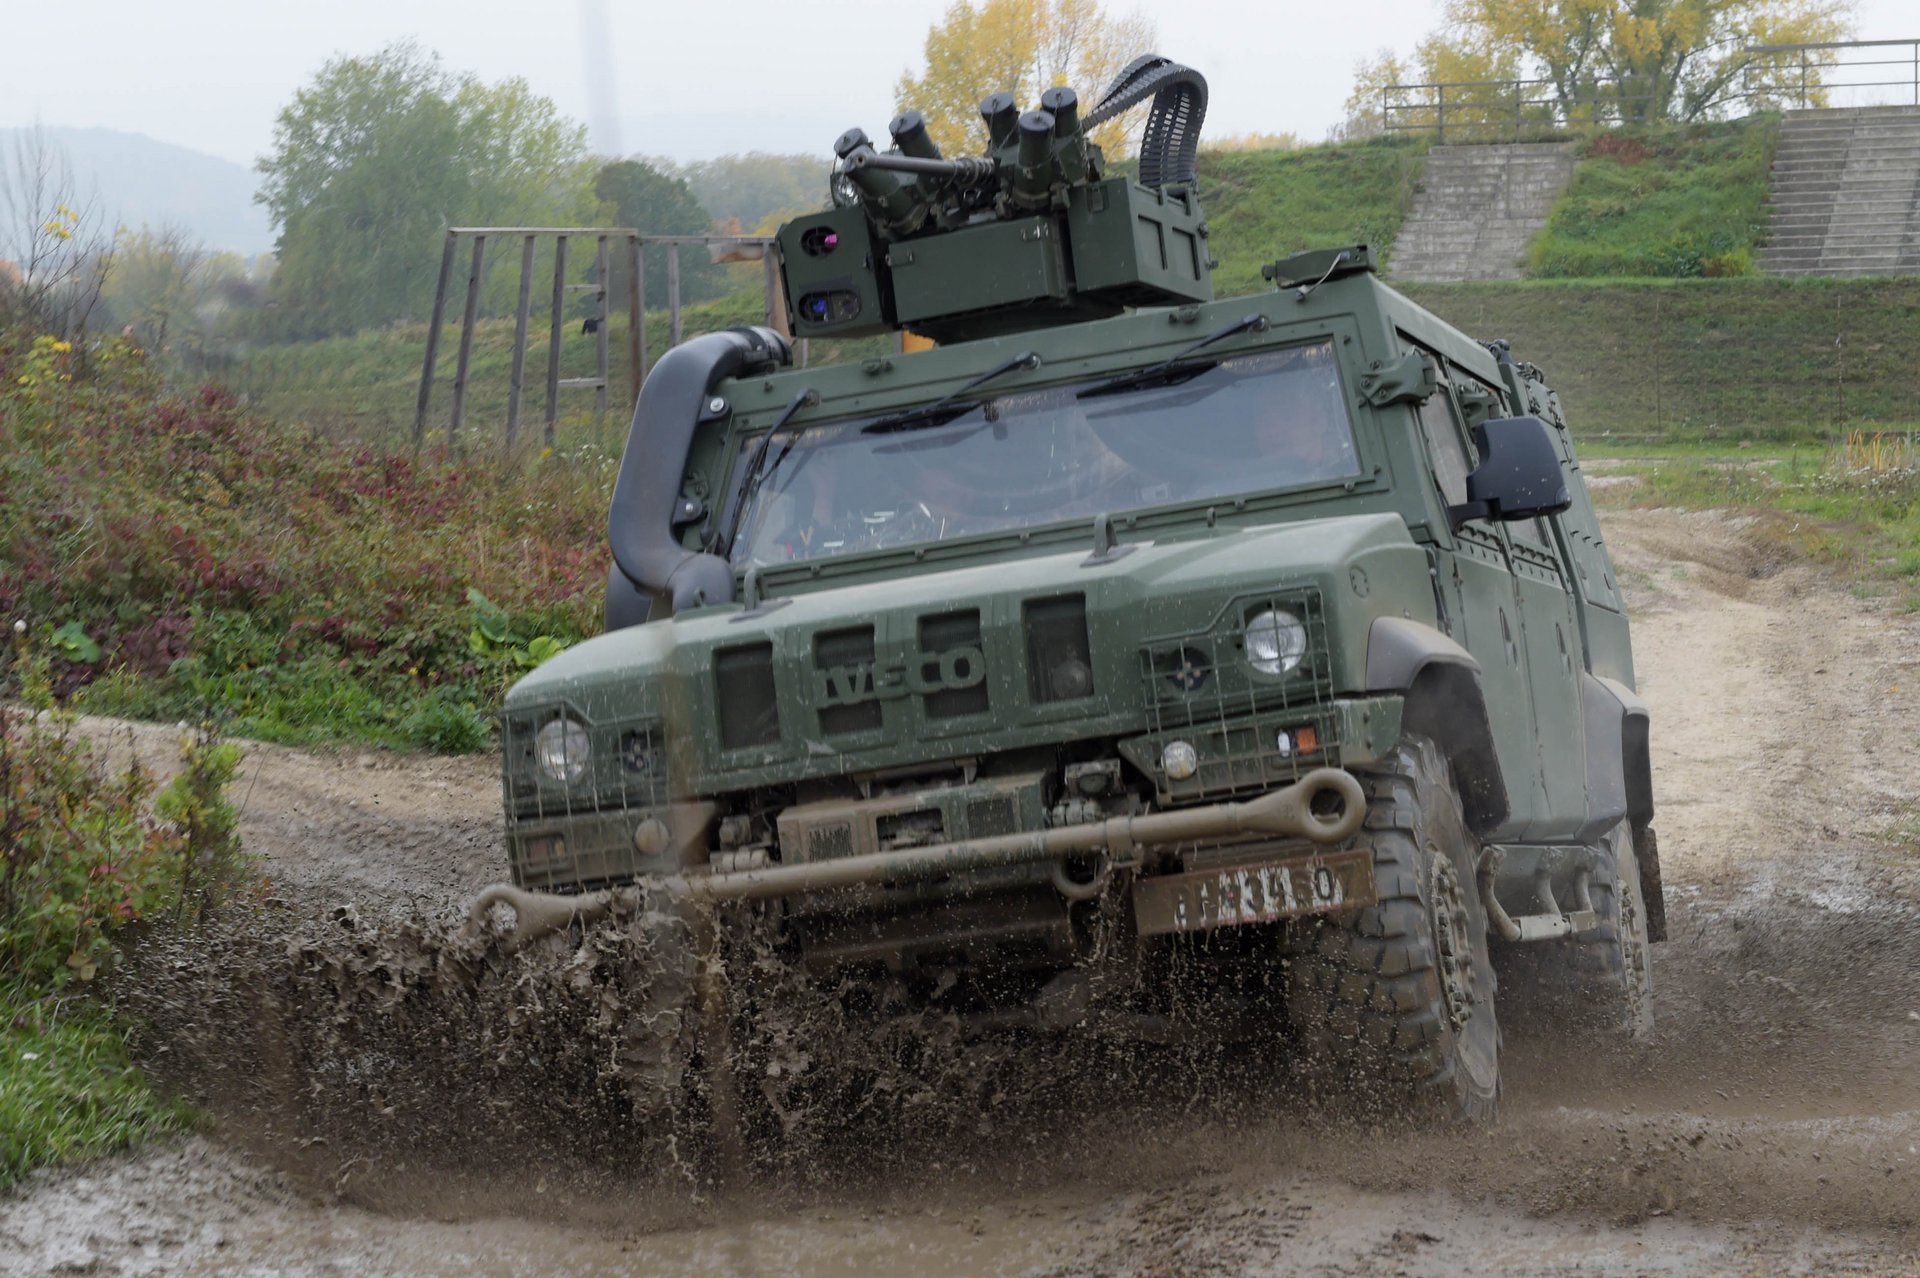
<point x="1122" y="636"/>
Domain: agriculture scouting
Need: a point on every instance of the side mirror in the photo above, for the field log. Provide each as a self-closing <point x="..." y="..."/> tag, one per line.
<point x="1519" y="473"/>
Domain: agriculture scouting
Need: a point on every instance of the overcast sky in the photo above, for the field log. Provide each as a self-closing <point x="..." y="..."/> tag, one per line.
<point x="689" y="80"/>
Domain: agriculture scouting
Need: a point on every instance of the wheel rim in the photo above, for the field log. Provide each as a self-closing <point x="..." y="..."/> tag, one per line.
<point x="1453" y="941"/>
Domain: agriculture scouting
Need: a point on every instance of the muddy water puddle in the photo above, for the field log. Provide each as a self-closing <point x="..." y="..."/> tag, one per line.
<point x="385" y="1098"/>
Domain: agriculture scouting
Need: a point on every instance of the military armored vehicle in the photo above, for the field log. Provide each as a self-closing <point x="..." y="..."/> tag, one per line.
<point x="1124" y="631"/>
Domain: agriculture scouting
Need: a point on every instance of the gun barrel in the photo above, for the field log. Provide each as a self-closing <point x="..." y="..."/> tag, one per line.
<point x="967" y="170"/>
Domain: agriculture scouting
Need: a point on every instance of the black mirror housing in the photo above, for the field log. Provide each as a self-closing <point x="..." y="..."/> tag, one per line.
<point x="1519" y="475"/>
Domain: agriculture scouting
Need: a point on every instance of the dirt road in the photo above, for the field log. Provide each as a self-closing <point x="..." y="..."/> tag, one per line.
<point x="1773" y="1127"/>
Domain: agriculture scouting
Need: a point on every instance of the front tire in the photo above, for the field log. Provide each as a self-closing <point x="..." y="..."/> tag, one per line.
<point x="1403" y="991"/>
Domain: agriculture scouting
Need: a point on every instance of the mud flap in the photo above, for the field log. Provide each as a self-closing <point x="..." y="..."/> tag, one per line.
<point x="1646" y="850"/>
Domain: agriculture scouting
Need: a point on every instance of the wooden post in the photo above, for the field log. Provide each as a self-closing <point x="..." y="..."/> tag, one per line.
<point x="520" y="343"/>
<point x="636" y="356"/>
<point x="770" y="276"/>
<point x="673" y="292"/>
<point x="640" y="297"/>
<point x="557" y="333"/>
<point x="466" y="337"/>
<point x="433" y="344"/>
<point x="600" y="337"/>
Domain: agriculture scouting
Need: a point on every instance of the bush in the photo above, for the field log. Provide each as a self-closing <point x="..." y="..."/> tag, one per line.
<point x="179" y="557"/>
<point x="88" y="859"/>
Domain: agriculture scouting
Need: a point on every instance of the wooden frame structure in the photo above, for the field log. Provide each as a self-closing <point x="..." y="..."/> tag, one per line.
<point x="720" y="248"/>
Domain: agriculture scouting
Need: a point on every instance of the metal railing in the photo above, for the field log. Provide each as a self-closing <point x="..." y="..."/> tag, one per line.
<point x="1822" y="70"/>
<point x="1770" y="76"/>
<point x="1503" y="110"/>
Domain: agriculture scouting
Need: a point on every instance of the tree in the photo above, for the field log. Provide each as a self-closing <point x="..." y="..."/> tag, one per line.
<point x="379" y="155"/>
<point x="1390" y="92"/>
<point x="171" y="291"/>
<point x="657" y="203"/>
<point x="54" y="239"/>
<point x="1605" y="61"/>
<point x="756" y="186"/>
<point x="1023" y="47"/>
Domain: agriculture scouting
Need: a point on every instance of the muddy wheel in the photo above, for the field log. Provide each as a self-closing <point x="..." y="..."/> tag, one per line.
<point x="1403" y="992"/>
<point x="1612" y="961"/>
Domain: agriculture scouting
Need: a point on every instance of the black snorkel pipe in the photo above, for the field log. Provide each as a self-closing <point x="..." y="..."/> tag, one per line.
<point x="640" y="527"/>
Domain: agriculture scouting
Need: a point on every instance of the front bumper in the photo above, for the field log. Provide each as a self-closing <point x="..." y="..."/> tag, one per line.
<point x="1287" y="812"/>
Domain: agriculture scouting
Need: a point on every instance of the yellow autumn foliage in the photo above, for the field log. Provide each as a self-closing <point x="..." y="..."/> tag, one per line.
<point x="1023" y="47"/>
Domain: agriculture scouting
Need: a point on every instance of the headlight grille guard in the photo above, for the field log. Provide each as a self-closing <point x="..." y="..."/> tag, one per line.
<point x="626" y="769"/>
<point x="1244" y="725"/>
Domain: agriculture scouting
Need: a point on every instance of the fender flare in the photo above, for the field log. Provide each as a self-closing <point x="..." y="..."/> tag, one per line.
<point x="1617" y="735"/>
<point x="640" y="518"/>
<point x="1440" y="682"/>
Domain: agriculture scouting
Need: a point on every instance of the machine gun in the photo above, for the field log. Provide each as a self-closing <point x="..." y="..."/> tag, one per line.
<point x="1033" y="233"/>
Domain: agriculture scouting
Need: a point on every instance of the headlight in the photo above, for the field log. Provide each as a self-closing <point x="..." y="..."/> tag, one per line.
<point x="561" y="749"/>
<point x="1275" y="641"/>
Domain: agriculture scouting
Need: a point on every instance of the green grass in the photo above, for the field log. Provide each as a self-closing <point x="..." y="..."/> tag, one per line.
<point x="1834" y="505"/>
<point x="1264" y="205"/>
<point x="1714" y="360"/>
<point x="369" y="383"/>
<point x="67" y="1090"/>
<point x="1676" y="201"/>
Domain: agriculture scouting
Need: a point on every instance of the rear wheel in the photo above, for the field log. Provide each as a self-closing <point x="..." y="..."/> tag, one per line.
<point x="1611" y="962"/>
<point x="1402" y="993"/>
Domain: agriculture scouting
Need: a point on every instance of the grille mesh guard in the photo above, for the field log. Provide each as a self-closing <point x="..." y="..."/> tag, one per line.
<point x="1245" y="726"/>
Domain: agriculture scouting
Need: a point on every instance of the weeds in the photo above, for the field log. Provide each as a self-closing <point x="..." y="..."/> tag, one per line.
<point x="89" y="860"/>
<point x="180" y="558"/>
<point x="1855" y="505"/>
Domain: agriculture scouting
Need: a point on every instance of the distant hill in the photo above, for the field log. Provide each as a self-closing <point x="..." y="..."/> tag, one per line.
<point x="144" y="181"/>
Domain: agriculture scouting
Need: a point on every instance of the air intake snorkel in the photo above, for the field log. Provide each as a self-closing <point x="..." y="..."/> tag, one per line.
<point x="640" y="522"/>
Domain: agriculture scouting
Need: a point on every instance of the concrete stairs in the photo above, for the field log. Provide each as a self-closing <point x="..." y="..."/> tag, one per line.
<point x="1845" y="193"/>
<point x="1476" y="209"/>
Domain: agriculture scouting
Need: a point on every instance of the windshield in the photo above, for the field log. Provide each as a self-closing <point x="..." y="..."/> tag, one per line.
<point x="1273" y="420"/>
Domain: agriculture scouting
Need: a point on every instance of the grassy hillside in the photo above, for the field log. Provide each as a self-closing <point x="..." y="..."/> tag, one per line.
<point x="1668" y="202"/>
<point x="1709" y="359"/>
<point x="1263" y="205"/>
<point x="369" y="383"/>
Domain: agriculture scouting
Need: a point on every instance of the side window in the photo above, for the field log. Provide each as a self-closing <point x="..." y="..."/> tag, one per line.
<point x="1450" y="461"/>
<point x="1440" y="423"/>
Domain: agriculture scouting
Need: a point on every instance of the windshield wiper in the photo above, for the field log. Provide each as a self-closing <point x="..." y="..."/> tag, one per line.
<point x="951" y="405"/>
<point x="1176" y="368"/>
<point x="755" y="476"/>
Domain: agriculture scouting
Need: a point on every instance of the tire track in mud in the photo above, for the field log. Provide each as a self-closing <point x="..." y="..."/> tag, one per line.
<point x="1772" y="1127"/>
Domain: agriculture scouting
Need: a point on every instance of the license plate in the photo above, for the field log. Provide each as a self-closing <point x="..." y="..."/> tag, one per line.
<point x="1261" y="893"/>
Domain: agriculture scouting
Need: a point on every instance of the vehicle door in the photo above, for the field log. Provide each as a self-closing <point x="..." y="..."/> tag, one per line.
<point x="1479" y="605"/>
<point x="1554" y="665"/>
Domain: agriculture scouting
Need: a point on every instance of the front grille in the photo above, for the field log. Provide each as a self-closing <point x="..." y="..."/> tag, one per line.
<point x="988" y="817"/>
<point x="955" y="638"/>
<point x="843" y="665"/>
<point x="1059" y="657"/>
<point x="826" y="842"/>
<point x="1200" y="686"/>
<point x="743" y="686"/>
